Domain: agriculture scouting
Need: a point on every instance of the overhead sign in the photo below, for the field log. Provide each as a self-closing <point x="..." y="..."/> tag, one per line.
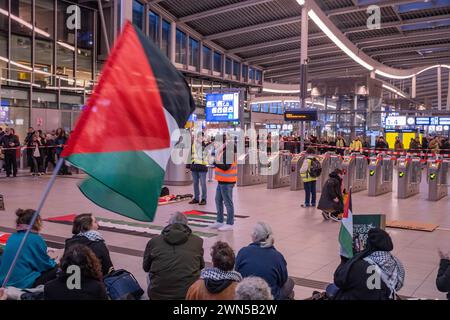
<point x="222" y="107"/>
<point x="444" y="121"/>
<point x="423" y="121"/>
<point x="300" y="115"/>
<point x="396" y="121"/>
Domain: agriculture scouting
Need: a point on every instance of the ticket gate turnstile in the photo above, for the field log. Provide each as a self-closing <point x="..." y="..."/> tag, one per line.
<point x="409" y="177"/>
<point x="249" y="169"/>
<point x="296" y="164"/>
<point x="437" y="171"/>
<point x="381" y="172"/>
<point x="355" y="172"/>
<point x="329" y="162"/>
<point x="279" y="170"/>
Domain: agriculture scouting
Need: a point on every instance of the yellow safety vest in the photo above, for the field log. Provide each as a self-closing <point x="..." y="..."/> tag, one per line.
<point x="196" y="159"/>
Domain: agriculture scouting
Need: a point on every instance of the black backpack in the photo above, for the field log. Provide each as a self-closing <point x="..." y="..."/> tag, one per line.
<point x="315" y="169"/>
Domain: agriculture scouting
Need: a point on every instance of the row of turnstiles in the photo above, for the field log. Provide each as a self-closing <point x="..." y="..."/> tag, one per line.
<point x="375" y="174"/>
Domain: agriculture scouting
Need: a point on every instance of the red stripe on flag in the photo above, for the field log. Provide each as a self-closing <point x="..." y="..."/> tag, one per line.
<point x="66" y="218"/>
<point x="4" y="238"/>
<point x="125" y="112"/>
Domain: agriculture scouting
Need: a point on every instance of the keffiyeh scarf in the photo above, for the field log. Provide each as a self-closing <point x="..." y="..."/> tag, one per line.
<point x="217" y="274"/>
<point x="91" y="235"/>
<point x="392" y="271"/>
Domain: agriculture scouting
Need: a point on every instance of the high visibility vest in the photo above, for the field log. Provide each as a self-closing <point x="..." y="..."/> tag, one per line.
<point x="229" y="175"/>
<point x="196" y="159"/>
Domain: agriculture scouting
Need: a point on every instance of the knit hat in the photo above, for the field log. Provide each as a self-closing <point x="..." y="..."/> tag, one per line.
<point x="379" y="240"/>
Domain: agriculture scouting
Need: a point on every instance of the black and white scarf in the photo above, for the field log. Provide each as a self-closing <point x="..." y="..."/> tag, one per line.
<point x="392" y="271"/>
<point x="217" y="274"/>
<point x="91" y="235"/>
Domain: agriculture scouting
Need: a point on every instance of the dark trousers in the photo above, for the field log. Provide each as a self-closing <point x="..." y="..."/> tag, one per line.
<point x="64" y="169"/>
<point x="49" y="158"/>
<point x="46" y="276"/>
<point x="37" y="161"/>
<point x="310" y="193"/>
<point x="30" y="161"/>
<point x="11" y="163"/>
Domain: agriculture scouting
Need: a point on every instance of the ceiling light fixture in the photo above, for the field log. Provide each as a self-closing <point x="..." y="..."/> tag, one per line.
<point x="336" y="40"/>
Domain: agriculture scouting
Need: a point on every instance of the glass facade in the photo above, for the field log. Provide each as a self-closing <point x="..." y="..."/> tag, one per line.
<point x="207" y="52"/>
<point x="217" y="62"/>
<point x="194" y="52"/>
<point x="244" y="72"/>
<point x="228" y="66"/>
<point x="165" y="36"/>
<point x="180" y="47"/>
<point x="236" y="71"/>
<point x="138" y="14"/>
<point x="153" y="27"/>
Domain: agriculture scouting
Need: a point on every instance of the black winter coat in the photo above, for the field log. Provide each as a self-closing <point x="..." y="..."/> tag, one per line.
<point x="174" y="260"/>
<point x="443" y="277"/>
<point x="90" y="289"/>
<point x="98" y="247"/>
<point x="331" y="190"/>
<point x="351" y="278"/>
<point x="7" y="140"/>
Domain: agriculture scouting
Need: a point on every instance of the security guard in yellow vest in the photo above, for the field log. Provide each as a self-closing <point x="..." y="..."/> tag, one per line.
<point x="199" y="170"/>
<point x="226" y="176"/>
<point x="308" y="182"/>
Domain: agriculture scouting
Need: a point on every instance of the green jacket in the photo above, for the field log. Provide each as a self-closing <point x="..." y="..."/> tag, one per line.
<point x="173" y="260"/>
<point x="304" y="170"/>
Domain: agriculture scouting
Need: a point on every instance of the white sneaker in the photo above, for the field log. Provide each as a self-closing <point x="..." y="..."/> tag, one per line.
<point x="216" y="225"/>
<point x="226" y="227"/>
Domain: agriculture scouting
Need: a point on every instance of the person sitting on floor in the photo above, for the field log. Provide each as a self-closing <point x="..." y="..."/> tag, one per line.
<point x="85" y="231"/>
<point x="376" y="261"/>
<point x="173" y="260"/>
<point x="34" y="266"/>
<point x="443" y="276"/>
<point x="89" y="287"/>
<point x="261" y="259"/>
<point x="253" y="288"/>
<point x="218" y="282"/>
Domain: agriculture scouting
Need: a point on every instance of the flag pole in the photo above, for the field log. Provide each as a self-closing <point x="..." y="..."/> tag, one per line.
<point x="33" y="219"/>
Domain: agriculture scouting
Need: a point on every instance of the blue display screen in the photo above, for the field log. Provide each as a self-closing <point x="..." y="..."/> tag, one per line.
<point x="424" y="121"/>
<point x="4" y="114"/>
<point x="222" y="107"/>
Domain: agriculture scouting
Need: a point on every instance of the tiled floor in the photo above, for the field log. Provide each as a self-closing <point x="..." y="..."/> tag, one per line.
<point x="308" y="243"/>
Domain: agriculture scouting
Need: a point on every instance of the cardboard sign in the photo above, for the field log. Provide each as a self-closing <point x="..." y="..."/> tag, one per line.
<point x="412" y="225"/>
<point x="362" y="223"/>
<point x="2" y="203"/>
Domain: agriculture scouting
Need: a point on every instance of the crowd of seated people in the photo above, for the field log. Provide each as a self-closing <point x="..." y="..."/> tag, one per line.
<point x="177" y="271"/>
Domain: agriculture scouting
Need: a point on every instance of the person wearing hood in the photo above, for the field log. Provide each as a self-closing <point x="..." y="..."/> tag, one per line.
<point x="173" y="260"/>
<point x="331" y="200"/>
<point x="91" y="278"/>
<point x="85" y="232"/>
<point x="372" y="274"/>
<point x="261" y="259"/>
<point x="220" y="281"/>
<point x="443" y="276"/>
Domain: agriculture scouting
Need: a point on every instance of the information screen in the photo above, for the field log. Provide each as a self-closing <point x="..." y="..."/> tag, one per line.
<point x="423" y="121"/>
<point x="297" y="115"/>
<point x="222" y="107"/>
<point x="4" y="114"/>
<point x="396" y="121"/>
<point x="444" y="121"/>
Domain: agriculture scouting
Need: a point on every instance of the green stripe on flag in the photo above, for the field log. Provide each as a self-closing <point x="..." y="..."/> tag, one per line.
<point x="128" y="183"/>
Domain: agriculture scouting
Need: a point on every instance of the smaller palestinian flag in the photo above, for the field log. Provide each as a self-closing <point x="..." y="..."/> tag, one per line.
<point x="346" y="231"/>
<point x="122" y="139"/>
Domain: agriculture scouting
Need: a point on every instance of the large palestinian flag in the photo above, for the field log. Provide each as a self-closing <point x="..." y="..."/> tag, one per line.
<point x="122" y="139"/>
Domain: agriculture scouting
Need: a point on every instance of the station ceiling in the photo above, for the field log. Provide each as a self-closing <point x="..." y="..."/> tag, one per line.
<point x="267" y="33"/>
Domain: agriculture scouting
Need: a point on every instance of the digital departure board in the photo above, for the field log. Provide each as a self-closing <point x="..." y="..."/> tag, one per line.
<point x="300" y="115"/>
<point x="222" y="107"/>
